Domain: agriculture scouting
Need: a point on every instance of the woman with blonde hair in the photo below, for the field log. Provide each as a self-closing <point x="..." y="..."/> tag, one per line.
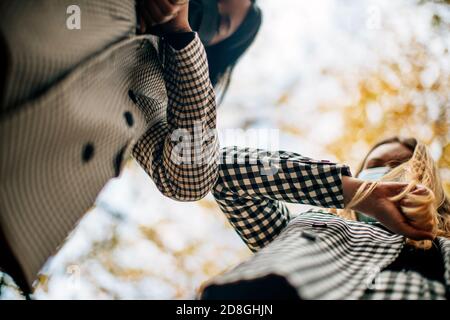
<point x="386" y="235"/>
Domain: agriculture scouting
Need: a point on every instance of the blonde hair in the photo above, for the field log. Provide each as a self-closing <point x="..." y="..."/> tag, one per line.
<point x="422" y="170"/>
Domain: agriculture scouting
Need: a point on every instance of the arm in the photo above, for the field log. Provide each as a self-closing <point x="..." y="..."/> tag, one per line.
<point x="253" y="185"/>
<point x="185" y="170"/>
<point x="251" y="193"/>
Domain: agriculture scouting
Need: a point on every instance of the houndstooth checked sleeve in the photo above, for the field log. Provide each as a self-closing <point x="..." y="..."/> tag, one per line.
<point x="253" y="185"/>
<point x="180" y="153"/>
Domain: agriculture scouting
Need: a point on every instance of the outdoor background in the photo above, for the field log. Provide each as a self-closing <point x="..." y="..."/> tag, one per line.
<point x="334" y="77"/>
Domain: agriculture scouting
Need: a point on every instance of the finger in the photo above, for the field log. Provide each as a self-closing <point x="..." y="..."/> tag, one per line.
<point x="148" y="16"/>
<point x="420" y="195"/>
<point x="167" y="9"/>
<point x="420" y="190"/>
<point x="410" y="203"/>
<point x="419" y="198"/>
<point x="143" y="26"/>
<point x="428" y="226"/>
<point x="155" y="12"/>
<point x="398" y="224"/>
<point x="431" y="222"/>
<point x="418" y="212"/>
<point x="420" y="217"/>
<point x="179" y="2"/>
<point x="413" y="233"/>
<point x="395" y="190"/>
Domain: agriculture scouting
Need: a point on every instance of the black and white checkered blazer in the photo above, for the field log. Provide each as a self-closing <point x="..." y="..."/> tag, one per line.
<point x="321" y="255"/>
<point x="76" y="102"/>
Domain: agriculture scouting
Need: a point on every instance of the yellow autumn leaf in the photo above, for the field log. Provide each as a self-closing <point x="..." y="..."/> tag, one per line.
<point x="444" y="161"/>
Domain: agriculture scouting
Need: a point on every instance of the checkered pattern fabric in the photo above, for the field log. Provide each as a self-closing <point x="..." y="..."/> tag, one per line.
<point x="254" y="185"/>
<point x="77" y="102"/>
<point x="184" y="173"/>
<point x="321" y="255"/>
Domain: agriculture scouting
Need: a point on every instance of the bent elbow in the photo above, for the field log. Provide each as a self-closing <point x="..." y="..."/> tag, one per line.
<point x="187" y="195"/>
<point x="190" y="191"/>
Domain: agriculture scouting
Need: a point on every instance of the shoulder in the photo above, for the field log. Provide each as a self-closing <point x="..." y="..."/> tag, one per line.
<point x="328" y="225"/>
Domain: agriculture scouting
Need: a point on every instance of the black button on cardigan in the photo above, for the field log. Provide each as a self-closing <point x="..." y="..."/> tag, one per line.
<point x="88" y="152"/>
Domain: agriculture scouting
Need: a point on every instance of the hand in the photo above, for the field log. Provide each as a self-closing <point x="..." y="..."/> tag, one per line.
<point x="418" y="208"/>
<point x="380" y="206"/>
<point x="161" y="17"/>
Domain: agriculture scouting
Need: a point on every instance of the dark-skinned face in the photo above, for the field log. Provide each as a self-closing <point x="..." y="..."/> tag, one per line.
<point x="232" y="14"/>
<point x="388" y="155"/>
